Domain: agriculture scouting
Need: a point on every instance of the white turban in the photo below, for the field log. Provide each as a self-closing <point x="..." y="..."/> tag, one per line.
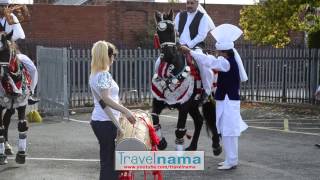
<point x="225" y="36"/>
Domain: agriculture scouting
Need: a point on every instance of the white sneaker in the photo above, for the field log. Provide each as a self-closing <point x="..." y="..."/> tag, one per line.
<point x="221" y="163"/>
<point x="227" y="167"/>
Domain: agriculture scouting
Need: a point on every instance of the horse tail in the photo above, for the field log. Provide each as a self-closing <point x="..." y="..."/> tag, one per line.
<point x="209" y="114"/>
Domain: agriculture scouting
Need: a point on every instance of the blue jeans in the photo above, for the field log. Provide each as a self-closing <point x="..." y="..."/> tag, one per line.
<point x="106" y="133"/>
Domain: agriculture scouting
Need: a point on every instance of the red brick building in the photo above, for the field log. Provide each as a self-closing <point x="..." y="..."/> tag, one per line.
<point x="123" y="23"/>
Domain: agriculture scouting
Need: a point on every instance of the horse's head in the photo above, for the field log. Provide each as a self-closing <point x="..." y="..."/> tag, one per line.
<point x="6" y="47"/>
<point x="167" y="35"/>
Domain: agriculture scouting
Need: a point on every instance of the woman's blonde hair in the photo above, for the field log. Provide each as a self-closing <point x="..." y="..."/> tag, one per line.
<point x="101" y="56"/>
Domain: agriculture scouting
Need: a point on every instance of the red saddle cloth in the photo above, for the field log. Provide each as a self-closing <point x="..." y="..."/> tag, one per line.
<point x="19" y="74"/>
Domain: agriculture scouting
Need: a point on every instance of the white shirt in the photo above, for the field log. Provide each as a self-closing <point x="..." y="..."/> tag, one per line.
<point x="217" y="63"/>
<point x="18" y="32"/>
<point x="203" y="29"/>
<point x="102" y="81"/>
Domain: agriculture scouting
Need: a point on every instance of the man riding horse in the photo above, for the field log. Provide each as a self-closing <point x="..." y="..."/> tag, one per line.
<point x="177" y="83"/>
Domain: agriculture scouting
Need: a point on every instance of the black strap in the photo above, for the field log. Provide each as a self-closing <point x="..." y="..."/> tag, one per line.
<point x="102" y="104"/>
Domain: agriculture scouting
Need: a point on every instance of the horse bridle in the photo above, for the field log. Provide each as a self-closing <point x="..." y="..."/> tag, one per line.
<point x="162" y="26"/>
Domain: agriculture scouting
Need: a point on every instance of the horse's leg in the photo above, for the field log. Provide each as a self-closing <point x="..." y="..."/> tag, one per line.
<point x="6" y="122"/>
<point x="22" y="128"/>
<point x="198" y="121"/>
<point x="181" y="125"/>
<point x="209" y="113"/>
<point x="3" y="157"/>
<point x="157" y="107"/>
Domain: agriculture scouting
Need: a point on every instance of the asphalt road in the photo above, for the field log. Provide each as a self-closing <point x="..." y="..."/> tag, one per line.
<point x="68" y="150"/>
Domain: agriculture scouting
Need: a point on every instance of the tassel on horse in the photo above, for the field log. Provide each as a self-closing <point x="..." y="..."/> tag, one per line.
<point x="156" y="41"/>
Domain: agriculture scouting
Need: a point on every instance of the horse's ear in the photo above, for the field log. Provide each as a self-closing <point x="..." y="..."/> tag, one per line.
<point x="9" y="36"/>
<point x="171" y="14"/>
<point x="157" y="16"/>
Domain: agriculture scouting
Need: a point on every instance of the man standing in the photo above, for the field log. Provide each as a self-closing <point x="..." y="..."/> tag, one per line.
<point x="231" y="73"/>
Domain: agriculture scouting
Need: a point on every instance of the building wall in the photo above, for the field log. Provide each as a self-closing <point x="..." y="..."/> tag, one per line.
<point x="119" y="22"/>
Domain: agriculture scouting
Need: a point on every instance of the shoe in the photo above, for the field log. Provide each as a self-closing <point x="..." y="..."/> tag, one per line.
<point x="220" y="163"/>
<point x="32" y="100"/>
<point x="317" y="145"/>
<point x="3" y="159"/>
<point x="8" y="149"/>
<point x="227" y="167"/>
<point x="21" y="157"/>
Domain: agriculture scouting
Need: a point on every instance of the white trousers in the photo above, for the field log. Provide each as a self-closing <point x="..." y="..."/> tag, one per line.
<point x="230" y="146"/>
<point x="205" y="73"/>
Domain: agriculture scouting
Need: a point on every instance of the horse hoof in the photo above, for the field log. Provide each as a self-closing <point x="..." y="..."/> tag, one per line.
<point x="162" y="144"/>
<point x="217" y="150"/>
<point x="3" y="159"/>
<point x="8" y="149"/>
<point x="21" y="157"/>
<point x="8" y="152"/>
<point x="191" y="148"/>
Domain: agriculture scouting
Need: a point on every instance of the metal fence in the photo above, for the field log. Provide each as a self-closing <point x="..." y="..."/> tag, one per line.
<point x="288" y="75"/>
<point x="52" y="84"/>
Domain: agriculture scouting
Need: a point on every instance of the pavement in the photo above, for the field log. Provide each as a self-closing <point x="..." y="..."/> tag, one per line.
<point x="68" y="150"/>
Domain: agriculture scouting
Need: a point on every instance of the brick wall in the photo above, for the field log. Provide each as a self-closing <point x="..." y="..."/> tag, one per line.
<point x="118" y="22"/>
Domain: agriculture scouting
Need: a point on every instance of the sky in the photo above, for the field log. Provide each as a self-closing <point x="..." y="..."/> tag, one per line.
<point x="220" y="1"/>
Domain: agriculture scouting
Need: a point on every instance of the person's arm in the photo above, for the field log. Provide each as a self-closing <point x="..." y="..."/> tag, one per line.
<point x="28" y="63"/>
<point x="203" y="30"/>
<point x="218" y="64"/>
<point x="104" y="84"/>
<point x="18" y="32"/>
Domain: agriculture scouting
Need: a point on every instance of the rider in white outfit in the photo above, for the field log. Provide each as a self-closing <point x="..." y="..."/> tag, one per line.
<point x="193" y="26"/>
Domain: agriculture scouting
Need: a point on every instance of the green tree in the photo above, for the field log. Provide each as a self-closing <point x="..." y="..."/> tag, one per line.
<point x="269" y="23"/>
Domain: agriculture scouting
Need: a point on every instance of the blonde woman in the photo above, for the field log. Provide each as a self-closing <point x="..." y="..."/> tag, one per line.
<point x="103" y="54"/>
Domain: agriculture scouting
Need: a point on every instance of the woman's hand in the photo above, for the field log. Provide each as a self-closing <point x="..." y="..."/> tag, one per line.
<point x="130" y="117"/>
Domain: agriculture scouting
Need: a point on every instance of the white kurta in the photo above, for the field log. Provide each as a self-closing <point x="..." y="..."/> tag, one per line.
<point x="228" y="117"/>
<point x="18" y="32"/>
<point x="203" y="29"/>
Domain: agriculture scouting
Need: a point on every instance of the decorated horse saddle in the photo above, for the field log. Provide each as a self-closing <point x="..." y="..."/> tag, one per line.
<point x="176" y="89"/>
<point x="15" y="79"/>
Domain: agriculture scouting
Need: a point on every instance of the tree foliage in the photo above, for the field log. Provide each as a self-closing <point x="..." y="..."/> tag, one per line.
<point x="269" y="23"/>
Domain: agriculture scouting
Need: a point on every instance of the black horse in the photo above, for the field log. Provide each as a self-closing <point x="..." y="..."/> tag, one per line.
<point x="176" y="76"/>
<point x="14" y="92"/>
